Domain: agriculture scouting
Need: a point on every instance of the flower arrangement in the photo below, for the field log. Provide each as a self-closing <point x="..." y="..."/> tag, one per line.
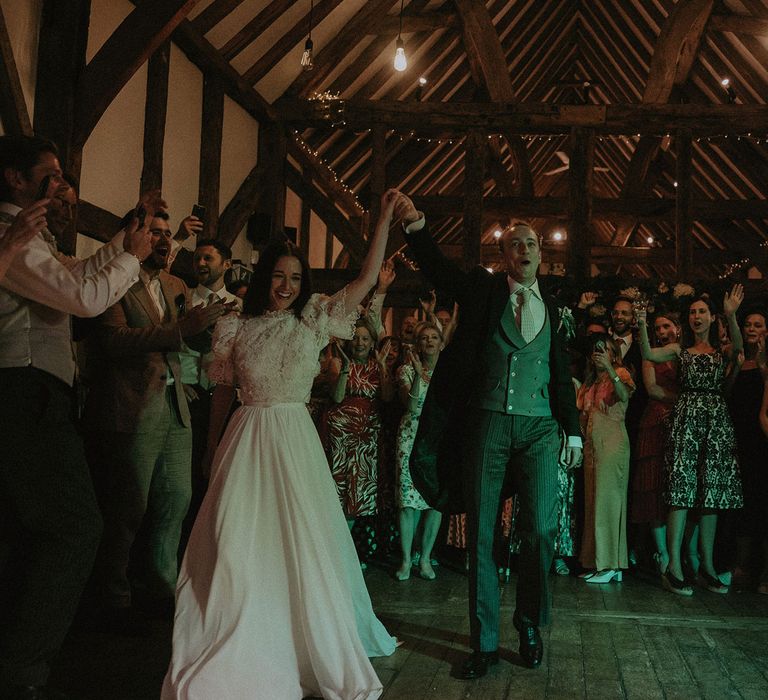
<point x="566" y="321"/>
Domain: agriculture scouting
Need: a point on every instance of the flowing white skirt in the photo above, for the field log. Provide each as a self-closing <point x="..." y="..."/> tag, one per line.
<point x="270" y="602"/>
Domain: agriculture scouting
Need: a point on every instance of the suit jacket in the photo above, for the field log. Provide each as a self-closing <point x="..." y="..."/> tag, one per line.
<point x="131" y="351"/>
<point x="633" y="361"/>
<point x="436" y="463"/>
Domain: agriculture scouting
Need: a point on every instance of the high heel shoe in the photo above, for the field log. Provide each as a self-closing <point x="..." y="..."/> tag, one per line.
<point x="403" y="574"/>
<point x="712" y="583"/>
<point x="675" y="585"/>
<point x="605" y="576"/>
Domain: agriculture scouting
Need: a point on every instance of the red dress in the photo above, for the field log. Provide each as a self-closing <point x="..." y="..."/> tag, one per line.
<point x="647" y="490"/>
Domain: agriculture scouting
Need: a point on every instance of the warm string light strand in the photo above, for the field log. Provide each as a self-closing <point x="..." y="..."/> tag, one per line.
<point x="740" y="265"/>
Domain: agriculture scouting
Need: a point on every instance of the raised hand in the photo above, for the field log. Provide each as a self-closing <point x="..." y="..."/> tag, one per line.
<point x="602" y="359"/>
<point x="429" y="304"/>
<point x="389" y="202"/>
<point x="383" y="352"/>
<point x="25" y="226"/>
<point x="386" y="275"/>
<point x="415" y="360"/>
<point x="732" y="300"/>
<point x="344" y="357"/>
<point x="189" y="226"/>
<point x="405" y="209"/>
<point x="200" y="318"/>
<point x="587" y="299"/>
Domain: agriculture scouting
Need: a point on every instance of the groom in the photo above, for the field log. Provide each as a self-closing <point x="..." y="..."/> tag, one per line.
<point x="499" y="396"/>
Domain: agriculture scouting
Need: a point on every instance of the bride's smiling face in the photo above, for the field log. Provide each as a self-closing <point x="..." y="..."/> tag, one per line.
<point x="286" y="283"/>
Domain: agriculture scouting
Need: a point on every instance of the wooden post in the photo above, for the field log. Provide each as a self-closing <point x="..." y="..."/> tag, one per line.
<point x="378" y="180"/>
<point x="683" y="213"/>
<point x="580" y="201"/>
<point x="155" y="110"/>
<point x="474" y="175"/>
<point x="210" y="152"/>
<point x="305" y="222"/>
<point x="272" y="152"/>
<point x="60" y="62"/>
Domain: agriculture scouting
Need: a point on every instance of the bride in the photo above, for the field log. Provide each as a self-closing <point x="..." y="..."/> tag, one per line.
<point x="270" y="601"/>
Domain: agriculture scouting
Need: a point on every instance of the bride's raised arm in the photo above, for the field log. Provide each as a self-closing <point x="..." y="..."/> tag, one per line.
<point x="369" y="273"/>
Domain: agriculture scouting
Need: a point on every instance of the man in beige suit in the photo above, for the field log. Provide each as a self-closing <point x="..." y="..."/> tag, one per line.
<point x="138" y="425"/>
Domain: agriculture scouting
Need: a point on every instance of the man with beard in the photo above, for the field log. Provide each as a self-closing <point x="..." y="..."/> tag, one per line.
<point x="139" y="430"/>
<point x="210" y="262"/>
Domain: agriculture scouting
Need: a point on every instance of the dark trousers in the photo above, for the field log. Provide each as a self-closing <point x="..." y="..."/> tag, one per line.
<point x="141" y="478"/>
<point x="49" y="522"/>
<point x="525" y="449"/>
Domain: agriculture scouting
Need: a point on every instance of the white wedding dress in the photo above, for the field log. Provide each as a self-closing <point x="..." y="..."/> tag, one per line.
<point x="270" y="602"/>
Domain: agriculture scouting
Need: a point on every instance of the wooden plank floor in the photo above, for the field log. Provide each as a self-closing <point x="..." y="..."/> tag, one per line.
<point x="628" y="640"/>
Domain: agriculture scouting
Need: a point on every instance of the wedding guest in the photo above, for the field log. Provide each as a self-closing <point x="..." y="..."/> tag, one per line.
<point x="602" y="400"/>
<point x="660" y="381"/>
<point x="412" y="381"/>
<point x="702" y="466"/>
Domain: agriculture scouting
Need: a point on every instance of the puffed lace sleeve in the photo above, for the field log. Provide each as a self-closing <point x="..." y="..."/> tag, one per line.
<point x="222" y="368"/>
<point x="327" y="317"/>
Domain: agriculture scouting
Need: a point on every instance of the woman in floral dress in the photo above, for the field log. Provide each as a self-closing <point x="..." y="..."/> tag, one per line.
<point x="702" y="468"/>
<point x="412" y="382"/>
<point x="354" y="422"/>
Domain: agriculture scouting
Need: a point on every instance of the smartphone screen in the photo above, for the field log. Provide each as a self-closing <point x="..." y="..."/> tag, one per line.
<point x="198" y="210"/>
<point x="42" y="190"/>
<point x="141" y="214"/>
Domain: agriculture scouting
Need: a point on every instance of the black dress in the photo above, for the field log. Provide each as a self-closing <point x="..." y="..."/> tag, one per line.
<point x="702" y="466"/>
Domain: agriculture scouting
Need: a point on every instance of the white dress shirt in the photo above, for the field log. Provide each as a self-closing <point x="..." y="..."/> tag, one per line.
<point x="624" y="343"/>
<point x="193" y="364"/>
<point x="42" y="288"/>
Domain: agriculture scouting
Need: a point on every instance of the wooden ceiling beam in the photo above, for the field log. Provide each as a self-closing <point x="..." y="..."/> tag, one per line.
<point x="607" y="208"/>
<point x="255" y="28"/>
<point x="214" y="13"/>
<point x="240" y="208"/>
<point x="422" y="22"/>
<point x="118" y="59"/>
<point x="337" y="224"/>
<point x="13" y="106"/>
<point x="328" y="58"/>
<point x="288" y="42"/>
<point x="739" y="24"/>
<point x="454" y="118"/>
<point x="671" y="63"/>
<point x="324" y="177"/>
<point x="203" y="54"/>
<point x="489" y="70"/>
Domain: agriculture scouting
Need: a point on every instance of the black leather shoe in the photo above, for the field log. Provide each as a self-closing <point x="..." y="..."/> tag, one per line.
<point x="476" y="666"/>
<point x="31" y="692"/>
<point x="531" y="646"/>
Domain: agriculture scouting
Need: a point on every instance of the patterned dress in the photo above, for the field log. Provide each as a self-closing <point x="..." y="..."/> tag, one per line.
<point x="407" y="495"/>
<point x="702" y="467"/>
<point x="353" y="428"/>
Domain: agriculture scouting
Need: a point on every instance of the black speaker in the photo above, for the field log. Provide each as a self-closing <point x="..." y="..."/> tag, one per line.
<point x="259" y="229"/>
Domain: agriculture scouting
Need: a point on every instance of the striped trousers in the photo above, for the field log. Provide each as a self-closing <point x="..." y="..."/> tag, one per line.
<point x="523" y="449"/>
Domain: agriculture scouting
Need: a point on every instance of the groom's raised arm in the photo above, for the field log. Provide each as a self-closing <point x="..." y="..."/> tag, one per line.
<point x="442" y="273"/>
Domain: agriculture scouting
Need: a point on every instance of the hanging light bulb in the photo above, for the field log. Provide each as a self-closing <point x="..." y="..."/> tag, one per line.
<point x="307" y="62"/>
<point x="401" y="63"/>
<point x="307" y="59"/>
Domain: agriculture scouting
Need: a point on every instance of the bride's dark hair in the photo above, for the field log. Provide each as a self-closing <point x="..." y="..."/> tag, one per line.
<point x="256" y="299"/>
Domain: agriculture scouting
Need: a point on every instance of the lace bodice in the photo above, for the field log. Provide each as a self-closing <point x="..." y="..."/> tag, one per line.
<point x="273" y="358"/>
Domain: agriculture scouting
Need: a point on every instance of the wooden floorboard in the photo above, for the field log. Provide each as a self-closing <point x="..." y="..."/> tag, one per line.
<point x="630" y="640"/>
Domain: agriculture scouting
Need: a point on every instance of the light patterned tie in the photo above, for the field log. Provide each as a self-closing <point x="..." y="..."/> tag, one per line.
<point x="525" y="315"/>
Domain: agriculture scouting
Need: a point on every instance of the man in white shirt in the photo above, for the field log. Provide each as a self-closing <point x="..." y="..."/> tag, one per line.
<point x="50" y="520"/>
<point x="499" y="395"/>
